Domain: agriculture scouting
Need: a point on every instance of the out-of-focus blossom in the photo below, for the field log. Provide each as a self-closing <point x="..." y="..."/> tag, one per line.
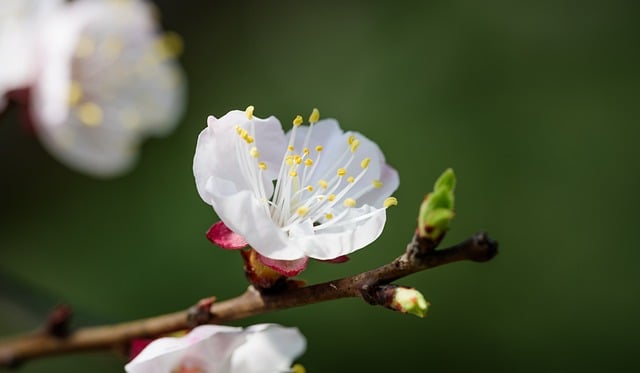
<point x="263" y="348"/>
<point x="20" y="22"/>
<point x="101" y="77"/>
<point x="110" y="79"/>
<point x="329" y="197"/>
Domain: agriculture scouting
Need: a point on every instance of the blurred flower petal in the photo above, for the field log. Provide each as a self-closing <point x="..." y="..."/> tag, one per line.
<point x="110" y="79"/>
<point x="221" y="349"/>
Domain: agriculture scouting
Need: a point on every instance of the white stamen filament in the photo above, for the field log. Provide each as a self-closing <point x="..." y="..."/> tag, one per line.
<point x="299" y="196"/>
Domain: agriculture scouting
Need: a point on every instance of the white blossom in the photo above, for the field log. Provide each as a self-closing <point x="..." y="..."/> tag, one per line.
<point x="315" y="192"/>
<point x="262" y="348"/>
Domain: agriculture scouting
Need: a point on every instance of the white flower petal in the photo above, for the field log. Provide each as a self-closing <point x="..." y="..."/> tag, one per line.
<point x="269" y="348"/>
<point x="343" y="237"/>
<point x="326" y="133"/>
<point x="19" y="25"/>
<point x="244" y="214"/>
<point x="212" y="345"/>
<point x="216" y="152"/>
<point x="389" y="179"/>
<point x="262" y="348"/>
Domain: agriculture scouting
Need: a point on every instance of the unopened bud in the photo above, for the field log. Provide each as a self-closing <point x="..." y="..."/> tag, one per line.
<point x="409" y="300"/>
<point x="436" y="210"/>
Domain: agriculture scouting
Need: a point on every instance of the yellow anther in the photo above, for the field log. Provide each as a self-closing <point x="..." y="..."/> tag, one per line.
<point x="365" y="162"/>
<point x="377" y="184"/>
<point x="354" y="145"/>
<point x="297" y="159"/>
<point x="302" y="211"/>
<point x="238" y="130"/>
<point x="308" y="162"/>
<point x="319" y="148"/>
<point x="331" y="197"/>
<point x="351" y="179"/>
<point x="305" y="151"/>
<point x="329" y="216"/>
<point x="349" y="202"/>
<point x="262" y="165"/>
<point x="298" y="368"/>
<point x="309" y="188"/>
<point x="254" y="152"/>
<point x="323" y="184"/>
<point x="391" y="201"/>
<point x="249" y="111"/>
<point x="249" y="139"/>
<point x="293" y="173"/>
<point x="75" y="92"/>
<point x="290" y="148"/>
<point x="297" y="121"/>
<point x="315" y="116"/>
<point x="351" y="139"/>
<point x="342" y="172"/>
<point x="90" y="114"/>
<point x="289" y="160"/>
<point x="173" y="44"/>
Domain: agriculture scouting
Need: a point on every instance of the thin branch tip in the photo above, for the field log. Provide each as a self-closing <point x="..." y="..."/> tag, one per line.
<point x="483" y="248"/>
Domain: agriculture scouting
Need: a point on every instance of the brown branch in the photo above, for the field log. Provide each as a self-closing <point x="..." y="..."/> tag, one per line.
<point x="478" y="248"/>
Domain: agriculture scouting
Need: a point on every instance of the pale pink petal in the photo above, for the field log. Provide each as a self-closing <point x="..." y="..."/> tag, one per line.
<point x="269" y="348"/>
<point x="390" y="181"/>
<point x="216" y="343"/>
<point x="246" y="215"/>
<point x="216" y="153"/>
<point x="122" y="82"/>
<point x="343" y="238"/>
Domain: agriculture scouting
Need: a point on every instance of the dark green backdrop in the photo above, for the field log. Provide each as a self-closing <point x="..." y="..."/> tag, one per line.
<point x="534" y="103"/>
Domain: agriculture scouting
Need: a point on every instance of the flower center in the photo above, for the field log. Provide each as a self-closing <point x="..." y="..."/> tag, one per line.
<point x="303" y="190"/>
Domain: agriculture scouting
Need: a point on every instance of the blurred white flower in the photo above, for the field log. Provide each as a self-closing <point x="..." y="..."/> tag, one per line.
<point x="329" y="197"/>
<point x="101" y="77"/>
<point x="19" y="28"/>
<point x="107" y="80"/>
<point x="263" y="348"/>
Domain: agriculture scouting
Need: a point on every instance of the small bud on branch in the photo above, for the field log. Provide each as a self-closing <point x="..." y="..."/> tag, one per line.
<point x="436" y="211"/>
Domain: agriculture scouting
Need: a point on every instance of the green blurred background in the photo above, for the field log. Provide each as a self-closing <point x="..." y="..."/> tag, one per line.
<point x="533" y="103"/>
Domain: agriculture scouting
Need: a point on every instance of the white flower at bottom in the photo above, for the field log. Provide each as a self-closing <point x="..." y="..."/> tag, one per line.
<point x="107" y="80"/>
<point x="316" y="192"/>
<point x="262" y="348"/>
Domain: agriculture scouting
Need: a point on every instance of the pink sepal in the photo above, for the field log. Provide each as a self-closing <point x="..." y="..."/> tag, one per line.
<point x="337" y="260"/>
<point x="224" y="237"/>
<point x="137" y="345"/>
<point x="288" y="268"/>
